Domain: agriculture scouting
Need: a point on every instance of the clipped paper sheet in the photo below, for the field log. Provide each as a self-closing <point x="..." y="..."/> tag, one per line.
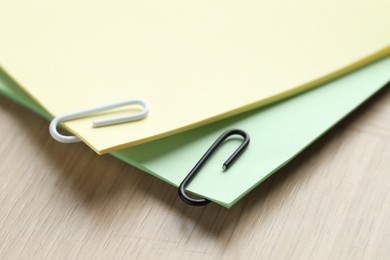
<point x="278" y="133"/>
<point x="194" y="62"/>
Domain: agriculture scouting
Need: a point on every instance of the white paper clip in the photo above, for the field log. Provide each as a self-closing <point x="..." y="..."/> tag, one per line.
<point x="103" y="122"/>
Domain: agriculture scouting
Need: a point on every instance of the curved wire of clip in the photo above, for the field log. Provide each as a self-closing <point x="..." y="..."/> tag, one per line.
<point x="103" y="122"/>
<point x="200" y="202"/>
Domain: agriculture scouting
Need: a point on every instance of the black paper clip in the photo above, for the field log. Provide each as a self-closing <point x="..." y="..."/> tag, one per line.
<point x="200" y="202"/>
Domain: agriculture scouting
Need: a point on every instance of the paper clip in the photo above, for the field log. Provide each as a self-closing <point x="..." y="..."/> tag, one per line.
<point x="103" y="122"/>
<point x="200" y="202"/>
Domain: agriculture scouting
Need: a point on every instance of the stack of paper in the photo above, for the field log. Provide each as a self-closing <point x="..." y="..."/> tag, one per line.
<point x="204" y="67"/>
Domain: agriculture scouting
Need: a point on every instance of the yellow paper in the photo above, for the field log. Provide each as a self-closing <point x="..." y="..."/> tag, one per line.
<point x="193" y="61"/>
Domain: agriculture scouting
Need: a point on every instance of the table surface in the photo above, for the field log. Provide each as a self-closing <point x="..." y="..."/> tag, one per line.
<point x="63" y="201"/>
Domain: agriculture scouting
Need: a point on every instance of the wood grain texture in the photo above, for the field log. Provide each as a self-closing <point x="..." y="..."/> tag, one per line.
<point x="62" y="201"/>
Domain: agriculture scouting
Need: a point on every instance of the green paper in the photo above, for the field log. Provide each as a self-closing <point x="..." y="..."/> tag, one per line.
<point x="278" y="133"/>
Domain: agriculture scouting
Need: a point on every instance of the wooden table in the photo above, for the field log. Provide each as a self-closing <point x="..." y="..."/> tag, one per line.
<point x="63" y="201"/>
